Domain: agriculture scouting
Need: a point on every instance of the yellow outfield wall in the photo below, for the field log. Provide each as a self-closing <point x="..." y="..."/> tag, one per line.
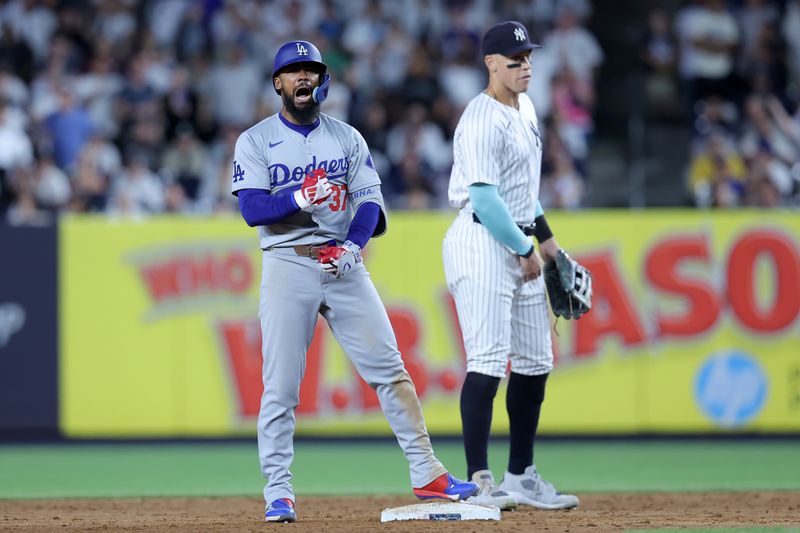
<point x="694" y="328"/>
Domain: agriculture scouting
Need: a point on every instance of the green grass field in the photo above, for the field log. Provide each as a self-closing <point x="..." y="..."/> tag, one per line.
<point x="231" y="468"/>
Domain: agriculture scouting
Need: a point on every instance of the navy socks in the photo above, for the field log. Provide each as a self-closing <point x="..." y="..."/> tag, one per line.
<point x="523" y="403"/>
<point x="477" y="397"/>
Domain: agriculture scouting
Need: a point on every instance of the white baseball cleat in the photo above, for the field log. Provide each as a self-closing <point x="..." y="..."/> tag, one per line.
<point x="530" y="489"/>
<point x="489" y="494"/>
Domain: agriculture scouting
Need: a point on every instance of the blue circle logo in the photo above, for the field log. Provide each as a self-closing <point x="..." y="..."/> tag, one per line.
<point x="730" y="388"/>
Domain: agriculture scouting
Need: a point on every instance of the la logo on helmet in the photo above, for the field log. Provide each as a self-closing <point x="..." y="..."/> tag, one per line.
<point x="519" y="34"/>
<point x="301" y="50"/>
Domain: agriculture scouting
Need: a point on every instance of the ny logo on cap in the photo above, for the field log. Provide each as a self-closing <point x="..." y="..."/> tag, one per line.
<point x="519" y="34"/>
<point x="301" y="50"/>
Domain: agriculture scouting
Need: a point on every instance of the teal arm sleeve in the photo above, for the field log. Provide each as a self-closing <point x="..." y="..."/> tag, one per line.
<point x="539" y="210"/>
<point x="494" y="214"/>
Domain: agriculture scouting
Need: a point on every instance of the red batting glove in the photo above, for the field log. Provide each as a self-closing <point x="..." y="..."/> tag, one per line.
<point x="314" y="190"/>
<point x="339" y="260"/>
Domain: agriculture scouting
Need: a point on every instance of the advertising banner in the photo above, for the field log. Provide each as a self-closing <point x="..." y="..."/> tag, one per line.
<point x="694" y="328"/>
<point x="28" y="332"/>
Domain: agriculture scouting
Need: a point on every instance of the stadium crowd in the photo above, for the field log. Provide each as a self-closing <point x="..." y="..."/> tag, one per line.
<point x="735" y="66"/>
<point x="133" y="107"/>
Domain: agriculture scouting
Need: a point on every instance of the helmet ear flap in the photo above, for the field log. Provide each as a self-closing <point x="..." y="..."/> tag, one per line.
<point x="320" y="93"/>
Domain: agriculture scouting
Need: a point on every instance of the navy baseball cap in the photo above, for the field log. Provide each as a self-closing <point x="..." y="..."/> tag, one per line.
<point x="508" y="38"/>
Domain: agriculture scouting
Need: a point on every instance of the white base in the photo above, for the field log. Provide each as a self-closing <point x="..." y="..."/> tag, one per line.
<point x="441" y="511"/>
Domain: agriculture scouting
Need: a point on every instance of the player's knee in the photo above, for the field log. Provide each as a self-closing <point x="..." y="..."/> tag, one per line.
<point x="533" y="385"/>
<point x="485" y="384"/>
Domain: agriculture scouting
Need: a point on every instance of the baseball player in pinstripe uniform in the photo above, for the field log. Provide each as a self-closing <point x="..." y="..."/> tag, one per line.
<point x="308" y="183"/>
<point x="494" y="273"/>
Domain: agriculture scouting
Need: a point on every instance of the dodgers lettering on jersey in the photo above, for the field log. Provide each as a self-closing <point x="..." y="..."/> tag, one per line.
<point x="281" y="174"/>
<point x="498" y="145"/>
<point x="274" y="157"/>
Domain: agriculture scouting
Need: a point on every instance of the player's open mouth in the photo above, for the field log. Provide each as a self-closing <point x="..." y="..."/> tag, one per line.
<point x="303" y="94"/>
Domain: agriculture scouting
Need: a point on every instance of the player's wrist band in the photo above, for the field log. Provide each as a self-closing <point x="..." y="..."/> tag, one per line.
<point x="541" y="230"/>
<point x="530" y="252"/>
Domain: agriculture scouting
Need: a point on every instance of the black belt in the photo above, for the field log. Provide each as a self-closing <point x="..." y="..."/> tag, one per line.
<point x="527" y="230"/>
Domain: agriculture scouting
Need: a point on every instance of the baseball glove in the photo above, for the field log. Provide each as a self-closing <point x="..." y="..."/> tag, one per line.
<point x="569" y="286"/>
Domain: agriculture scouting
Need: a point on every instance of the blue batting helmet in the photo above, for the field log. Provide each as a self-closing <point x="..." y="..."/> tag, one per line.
<point x="302" y="52"/>
<point x="297" y="52"/>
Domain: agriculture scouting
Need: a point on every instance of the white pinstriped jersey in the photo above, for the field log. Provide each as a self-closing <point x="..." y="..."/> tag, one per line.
<point x="273" y="156"/>
<point x="502" y="317"/>
<point x="498" y="145"/>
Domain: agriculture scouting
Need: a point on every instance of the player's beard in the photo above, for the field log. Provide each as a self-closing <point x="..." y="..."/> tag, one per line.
<point x="301" y="115"/>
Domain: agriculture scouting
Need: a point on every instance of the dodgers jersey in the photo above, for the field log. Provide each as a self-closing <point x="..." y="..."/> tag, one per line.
<point x="274" y="157"/>
<point x="498" y="145"/>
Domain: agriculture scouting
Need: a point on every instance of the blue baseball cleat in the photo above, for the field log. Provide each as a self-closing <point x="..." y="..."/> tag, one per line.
<point x="448" y="488"/>
<point x="281" y="511"/>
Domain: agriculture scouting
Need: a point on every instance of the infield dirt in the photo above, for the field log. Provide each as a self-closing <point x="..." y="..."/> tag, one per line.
<point x="597" y="512"/>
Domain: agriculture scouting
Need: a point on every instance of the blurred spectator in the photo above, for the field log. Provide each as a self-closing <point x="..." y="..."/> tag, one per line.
<point x="23" y="210"/>
<point x="221" y="162"/>
<point x="366" y="31"/>
<point x="69" y="129"/>
<point x="52" y="189"/>
<point x="791" y="32"/>
<point x="180" y="102"/>
<point x="575" y="48"/>
<point x="137" y="190"/>
<point x="573" y="99"/>
<point x="562" y="187"/>
<point x="192" y="39"/>
<point x="12" y="89"/>
<point x="770" y="128"/>
<point x="762" y="190"/>
<point x="717" y="175"/>
<point x="235" y="85"/>
<point x="421" y="84"/>
<point x="417" y="149"/>
<point x="709" y="35"/>
<point x="754" y="16"/>
<point x="115" y="21"/>
<point x="16" y="152"/>
<point x="715" y="115"/>
<point x="185" y="165"/>
<point x="98" y="163"/>
<point x="136" y="95"/>
<point x="99" y="87"/>
<point x="459" y="78"/>
<point x="660" y="55"/>
<point x="34" y="23"/>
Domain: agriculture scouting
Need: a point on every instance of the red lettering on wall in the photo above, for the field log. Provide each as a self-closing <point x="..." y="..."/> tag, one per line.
<point x="236" y="272"/>
<point x="455" y="325"/>
<point x="185" y="276"/>
<point x="406" y="329"/>
<point x="312" y="379"/>
<point x="662" y="267"/>
<point x="243" y="343"/>
<point x="742" y="285"/>
<point x="612" y="312"/>
<point x="161" y="280"/>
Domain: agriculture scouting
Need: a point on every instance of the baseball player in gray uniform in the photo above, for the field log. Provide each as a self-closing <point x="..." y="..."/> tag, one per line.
<point x="495" y="275"/>
<point x="307" y="181"/>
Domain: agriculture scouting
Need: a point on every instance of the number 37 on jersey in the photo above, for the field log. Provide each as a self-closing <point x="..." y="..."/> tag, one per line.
<point x="338" y="199"/>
